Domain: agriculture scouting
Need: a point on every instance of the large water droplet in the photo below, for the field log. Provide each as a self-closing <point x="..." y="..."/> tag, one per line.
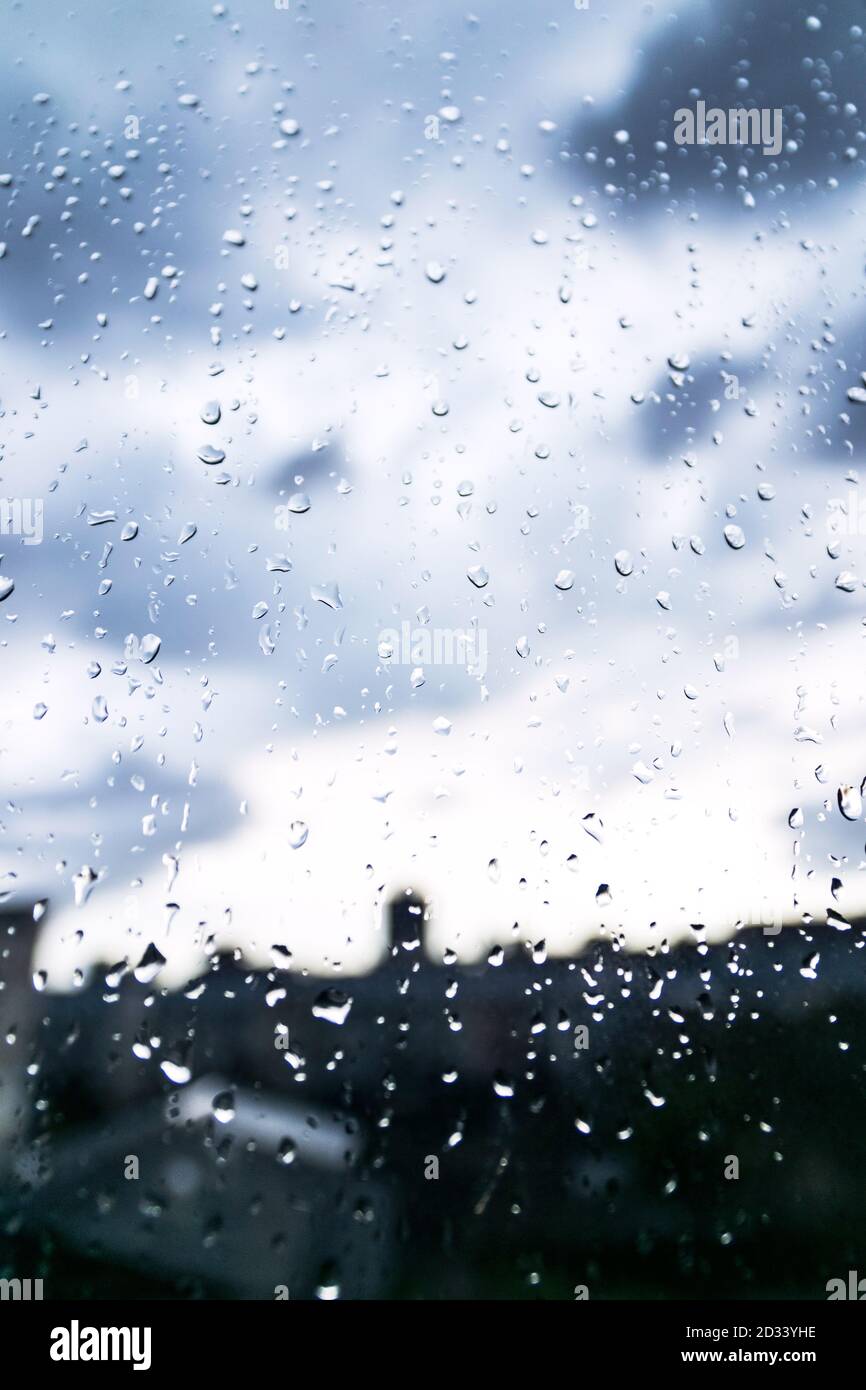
<point x="850" y="802"/>
<point x="210" y="454"/>
<point x="150" y="965"/>
<point x="327" y="593"/>
<point x="734" y="536"/>
<point x="333" y="1005"/>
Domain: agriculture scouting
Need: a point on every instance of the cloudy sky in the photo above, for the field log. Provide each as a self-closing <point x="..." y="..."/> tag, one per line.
<point x="321" y="321"/>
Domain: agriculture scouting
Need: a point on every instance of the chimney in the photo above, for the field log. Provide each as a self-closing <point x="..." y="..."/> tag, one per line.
<point x="406" y="919"/>
<point x="18" y="1015"/>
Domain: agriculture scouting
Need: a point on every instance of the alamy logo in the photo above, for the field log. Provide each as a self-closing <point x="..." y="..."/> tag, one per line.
<point x="846" y="516"/>
<point x="21" y="1289"/>
<point x="435" y="646"/>
<point x="76" y="1343"/>
<point x="22" y="516"/>
<point x="739" y="126"/>
<point x="854" y="1289"/>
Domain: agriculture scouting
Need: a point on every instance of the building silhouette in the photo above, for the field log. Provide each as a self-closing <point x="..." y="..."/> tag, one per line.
<point x="398" y="1130"/>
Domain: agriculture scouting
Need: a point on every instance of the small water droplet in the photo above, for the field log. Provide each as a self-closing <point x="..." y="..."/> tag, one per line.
<point x="286" y="1152"/>
<point x="298" y="833"/>
<point x="223" y="1107"/>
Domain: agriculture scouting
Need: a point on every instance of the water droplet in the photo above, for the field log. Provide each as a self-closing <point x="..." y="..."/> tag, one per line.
<point x="223" y="1107"/>
<point x="655" y="1101"/>
<point x="176" y="1072"/>
<point x="150" y="965"/>
<point x="149" y="647"/>
<point x="82" y="884"/>
<point x="210" y="454"/>
<point x="333" y="1005"/>
<point x="298" y="833"/>
<point x="327" y="593"/>
<point x="850" y="802"/>
<point x="734" y="536"/>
